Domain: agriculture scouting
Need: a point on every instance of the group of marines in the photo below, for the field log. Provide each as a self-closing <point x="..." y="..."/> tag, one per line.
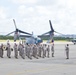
<point x="29" y="50"/>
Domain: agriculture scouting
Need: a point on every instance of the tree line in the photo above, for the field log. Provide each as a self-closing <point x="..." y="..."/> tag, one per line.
<point x="43" y="38"/>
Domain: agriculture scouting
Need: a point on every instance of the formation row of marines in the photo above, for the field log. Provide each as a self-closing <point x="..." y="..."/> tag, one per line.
<point x="29" y="50"/>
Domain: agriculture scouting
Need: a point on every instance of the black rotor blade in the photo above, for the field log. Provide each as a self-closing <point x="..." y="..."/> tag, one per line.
<point x="10" y="33"/>
<point x="46" y="33"/>
<point x="51" y="25"/>
<point x="58" y="33"/>
<point x="23" y="32"/>
<point x="15" y="24"/>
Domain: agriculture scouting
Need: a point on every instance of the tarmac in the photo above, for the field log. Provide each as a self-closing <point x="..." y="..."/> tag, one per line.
<point x="57" y="65"/>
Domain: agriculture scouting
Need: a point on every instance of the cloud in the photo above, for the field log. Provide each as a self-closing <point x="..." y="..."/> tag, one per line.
<point x="25" y="1"/>
<point x="7" y="26"/>
<point x="3" y="13"/>
<point x="60" y="14"/>
<point x="34" y="11"/>
<point x="23" y="10"/>
<point x="71" y="4"/>
<point x="34" y="15"/>
<point x="43" y="10"/>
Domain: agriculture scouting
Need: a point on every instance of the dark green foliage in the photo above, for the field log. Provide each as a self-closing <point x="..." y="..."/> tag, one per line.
<point x="6" y="37"/>
<point x="57" y="38"/>
<point x="43" y="38"/>
<point x="62" y="38"/>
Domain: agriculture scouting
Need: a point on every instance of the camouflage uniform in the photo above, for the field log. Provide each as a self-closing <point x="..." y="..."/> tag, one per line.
<point x="19" y="48"/>
<point x="52" y="50"/>
<point x="35" y="50"/>
<point x="44" y="50"/>
<point x="31" y="51"/>
<point x="8" y="50"/>
<point x="1" y="51"/>
<point x="22" y="51"/>
<point x="39" y="50"/>
<point x="48" y="51"/>
<point x="67" y="51"/>
<point x="16" y="50"/>
<point x="26" y="53"/>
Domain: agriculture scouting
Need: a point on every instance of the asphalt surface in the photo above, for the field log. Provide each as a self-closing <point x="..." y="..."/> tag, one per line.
<point x="57" y="65"/>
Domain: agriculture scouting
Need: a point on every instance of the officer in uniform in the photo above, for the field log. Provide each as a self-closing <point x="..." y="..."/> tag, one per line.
<point x="29" y="54"/>
<point x="39" y="50"/>
<point x="26" y="45"/>
<point x="19" y="48"/>
<point x="8" y="50"/>
<point x="43" y="51"/>
<point x="52" y="50"/>
<point x="31" y="51"/>
<point x="16" y="50"/>
<point x="67" y="51"/>
<point x="1" y="51"/>
<point x="35" y="51"/>
<point x="22" y="51"/>
<point x="48" y="51"/>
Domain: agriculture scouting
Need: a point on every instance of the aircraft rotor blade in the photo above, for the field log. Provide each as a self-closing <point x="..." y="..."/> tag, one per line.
<point x="51" y="25"/>
<point x="23" y="32"/>
<point x="10" y="33"/>
<point x="58" y="33"/>
<point x="46" y="33"/>
<point x="15" y="24"/>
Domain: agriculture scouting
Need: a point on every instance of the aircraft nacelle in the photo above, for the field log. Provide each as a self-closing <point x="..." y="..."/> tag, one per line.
<point x="51" y="40"/>
<point x="16" y="36"/>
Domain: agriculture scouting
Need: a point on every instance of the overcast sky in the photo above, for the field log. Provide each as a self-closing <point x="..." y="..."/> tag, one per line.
<point x="34" y="15"/>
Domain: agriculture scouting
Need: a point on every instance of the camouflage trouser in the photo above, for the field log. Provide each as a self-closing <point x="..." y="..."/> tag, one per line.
<point x="30" y="54"/>
<point x="20" y="52"/>
<point x="23" y="54"/>
<point x="48" y="53"/>
<point x="8" y="53"/>
<point x="52" y="53"/>
<point x="35" y="53"/>
<point x="1" y="53"/>
<point x="43" y="53"/>
<point x="67" y="54"/>
<point x="39" y="53"/>
<point x="16" y="53"/>
<point x="26" y="53"/>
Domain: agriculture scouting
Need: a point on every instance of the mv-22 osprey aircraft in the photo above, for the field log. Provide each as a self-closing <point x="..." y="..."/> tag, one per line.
<point x="30" y="38"/>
